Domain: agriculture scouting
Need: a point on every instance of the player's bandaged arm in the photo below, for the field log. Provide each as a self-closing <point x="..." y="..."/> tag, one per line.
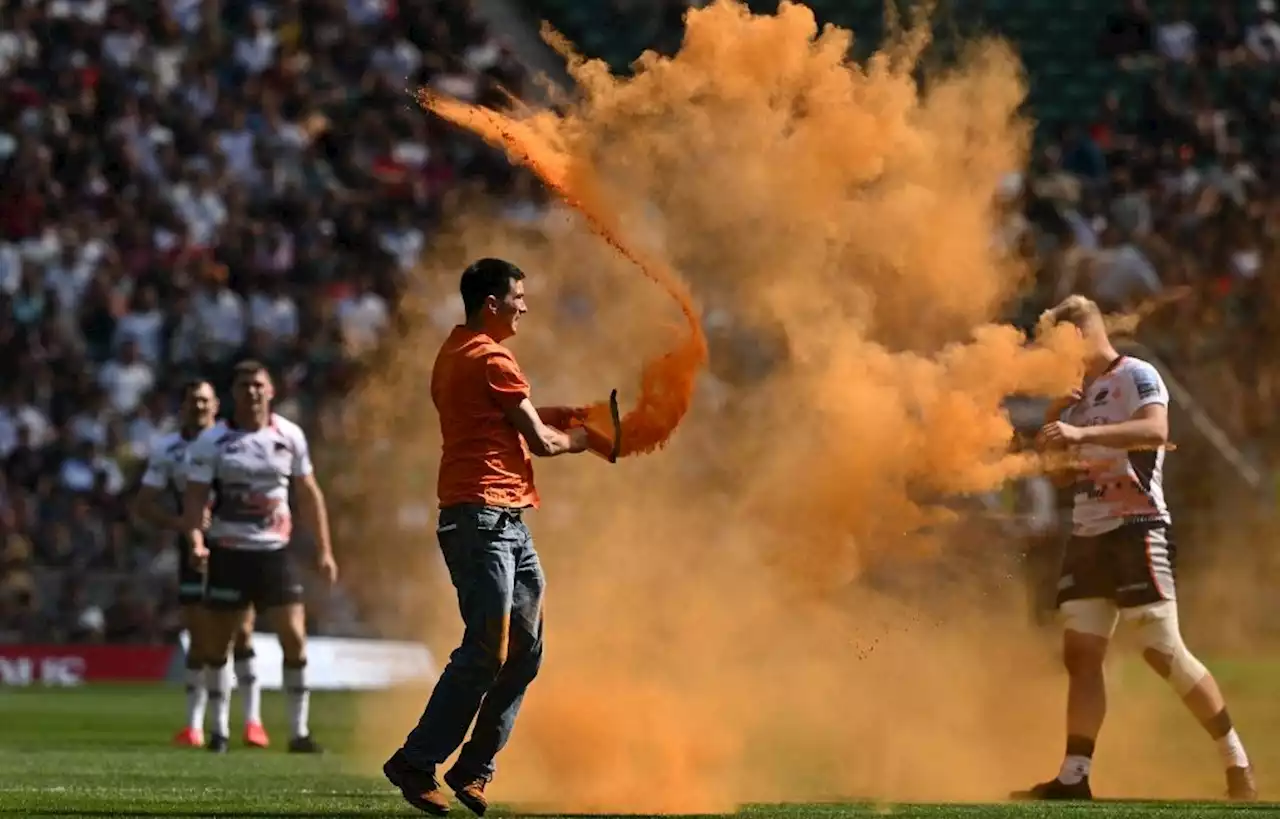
<point x="1147" y="428"/>
<point x="315" y="512"/>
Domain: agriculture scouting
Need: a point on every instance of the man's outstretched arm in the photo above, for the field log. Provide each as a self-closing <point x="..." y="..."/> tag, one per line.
<point x="544" y="440"/>
<point x="562" y="418"/>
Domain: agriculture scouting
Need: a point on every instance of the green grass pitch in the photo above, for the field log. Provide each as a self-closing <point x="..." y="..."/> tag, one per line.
<point x="102" y="751"/>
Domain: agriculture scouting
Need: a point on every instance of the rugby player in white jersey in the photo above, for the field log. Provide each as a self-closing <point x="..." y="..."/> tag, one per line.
<point x="1119" y="562"/>
<point x="248" y="467"/>
<point x="159" y="503"/>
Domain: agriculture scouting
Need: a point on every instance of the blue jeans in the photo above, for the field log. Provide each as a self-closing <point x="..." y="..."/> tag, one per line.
<point x="500" y="585"/>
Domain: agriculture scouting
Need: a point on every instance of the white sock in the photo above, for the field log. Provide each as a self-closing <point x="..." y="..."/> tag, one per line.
<point x="299" y="699"/>
<point x="1232" y="750"/>
<point x="197" y="699"/>
<point x="1074" y="769"/>
<point x="247" y="682"/>
<point x="220" y="698"/>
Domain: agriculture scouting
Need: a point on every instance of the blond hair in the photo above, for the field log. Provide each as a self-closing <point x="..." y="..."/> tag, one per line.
<point x="1076" y="310"/>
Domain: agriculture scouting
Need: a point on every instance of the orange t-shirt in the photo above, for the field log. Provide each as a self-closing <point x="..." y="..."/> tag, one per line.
<point x="484" y="459"/>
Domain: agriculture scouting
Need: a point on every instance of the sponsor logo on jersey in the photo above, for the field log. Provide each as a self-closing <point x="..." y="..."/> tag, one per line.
<point x="1146" y="385"/>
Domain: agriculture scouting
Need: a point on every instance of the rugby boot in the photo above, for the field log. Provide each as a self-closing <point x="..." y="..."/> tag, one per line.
<point x="419" y="788"/>
<point x="469" y="790"/>
<point x="1055" y="790"/>
<point x="255" y="736"/>
<point x="218" y="744"/>
<point x="1241" y="786"/>
<point x="305" y="745"/>
<point x="189" y="738"/>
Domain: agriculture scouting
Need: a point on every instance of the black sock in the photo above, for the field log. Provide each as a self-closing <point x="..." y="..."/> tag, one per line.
<point x="1218" y="725"/>
<point x="1080" y="746"/>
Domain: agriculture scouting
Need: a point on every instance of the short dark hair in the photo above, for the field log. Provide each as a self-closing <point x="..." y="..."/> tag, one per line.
<point x="249" y="367"/>
<point x="485" y="278"/>
<point x="192" y="384"/>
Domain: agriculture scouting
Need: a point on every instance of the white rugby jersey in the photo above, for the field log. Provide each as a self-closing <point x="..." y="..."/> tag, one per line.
<point x="1118" y="486"/>
<point x="250" y="474"/>
<point x="166" y="467"/>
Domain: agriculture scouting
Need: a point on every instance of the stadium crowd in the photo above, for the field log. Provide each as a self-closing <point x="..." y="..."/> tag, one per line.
<point x="183" y="183"/>
<point x="1171" y="191"/>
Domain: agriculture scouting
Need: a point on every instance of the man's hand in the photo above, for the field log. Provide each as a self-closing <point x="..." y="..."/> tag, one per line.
<point x="563" y="418"/>
<point x="1057" y="435"/>
<point x="200" y="556"/>
<point x="579" y="439"/>
<point x="328" y="567"/>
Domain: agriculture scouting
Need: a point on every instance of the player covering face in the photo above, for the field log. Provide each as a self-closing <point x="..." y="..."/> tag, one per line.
<point x="490" y="431"/>
<point x="256" y="461"/>
<point x="1119" y="562"/>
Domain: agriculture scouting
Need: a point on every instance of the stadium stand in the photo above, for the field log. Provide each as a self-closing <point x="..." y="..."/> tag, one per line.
<point x="178" y="188"/>
<point x="183" y="183"/>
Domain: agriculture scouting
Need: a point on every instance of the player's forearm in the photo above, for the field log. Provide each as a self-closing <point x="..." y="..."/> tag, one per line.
<point x="1137" y="433"/>
<point x="315" y="515"/>
<point x="192" y="520"/>
<point x="193" y="505"/>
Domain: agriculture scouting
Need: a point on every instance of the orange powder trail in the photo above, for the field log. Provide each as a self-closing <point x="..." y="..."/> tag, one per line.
<point x="789" y="607"/>
<point x="667" y="381"/>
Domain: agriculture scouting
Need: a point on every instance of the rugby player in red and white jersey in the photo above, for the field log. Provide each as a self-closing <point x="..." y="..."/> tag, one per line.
<point x="249" y="467"/>
<point x="158" y="502"/>
<point x="1119" y="562"/>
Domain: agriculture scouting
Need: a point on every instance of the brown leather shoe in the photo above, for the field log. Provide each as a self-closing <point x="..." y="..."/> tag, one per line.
<point x="469" y="790"/>
<point x="419" y="788"/>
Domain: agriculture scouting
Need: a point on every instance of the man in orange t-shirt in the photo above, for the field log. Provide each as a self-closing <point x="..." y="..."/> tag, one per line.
<point x="490" y="432"/>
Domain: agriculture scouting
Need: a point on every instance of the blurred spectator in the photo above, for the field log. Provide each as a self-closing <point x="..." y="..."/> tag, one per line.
<point x="77" y="618"/>
<point x="142" y="326"/>
<point x="362" y="315"/>
<point x="1263" y="37"/>
<point x="130" y="618"/>
<point x="1128" y="31"/>
<point x="127" y="378"/>
<point x="1221" y="37"/>
<point x="1176" y="37"/>
<point x="182" y="183"/>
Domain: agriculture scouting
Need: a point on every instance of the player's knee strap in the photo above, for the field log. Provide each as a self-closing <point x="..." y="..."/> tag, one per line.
<point x="1157" y="629"/>
<point x="1094" y="616"/>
